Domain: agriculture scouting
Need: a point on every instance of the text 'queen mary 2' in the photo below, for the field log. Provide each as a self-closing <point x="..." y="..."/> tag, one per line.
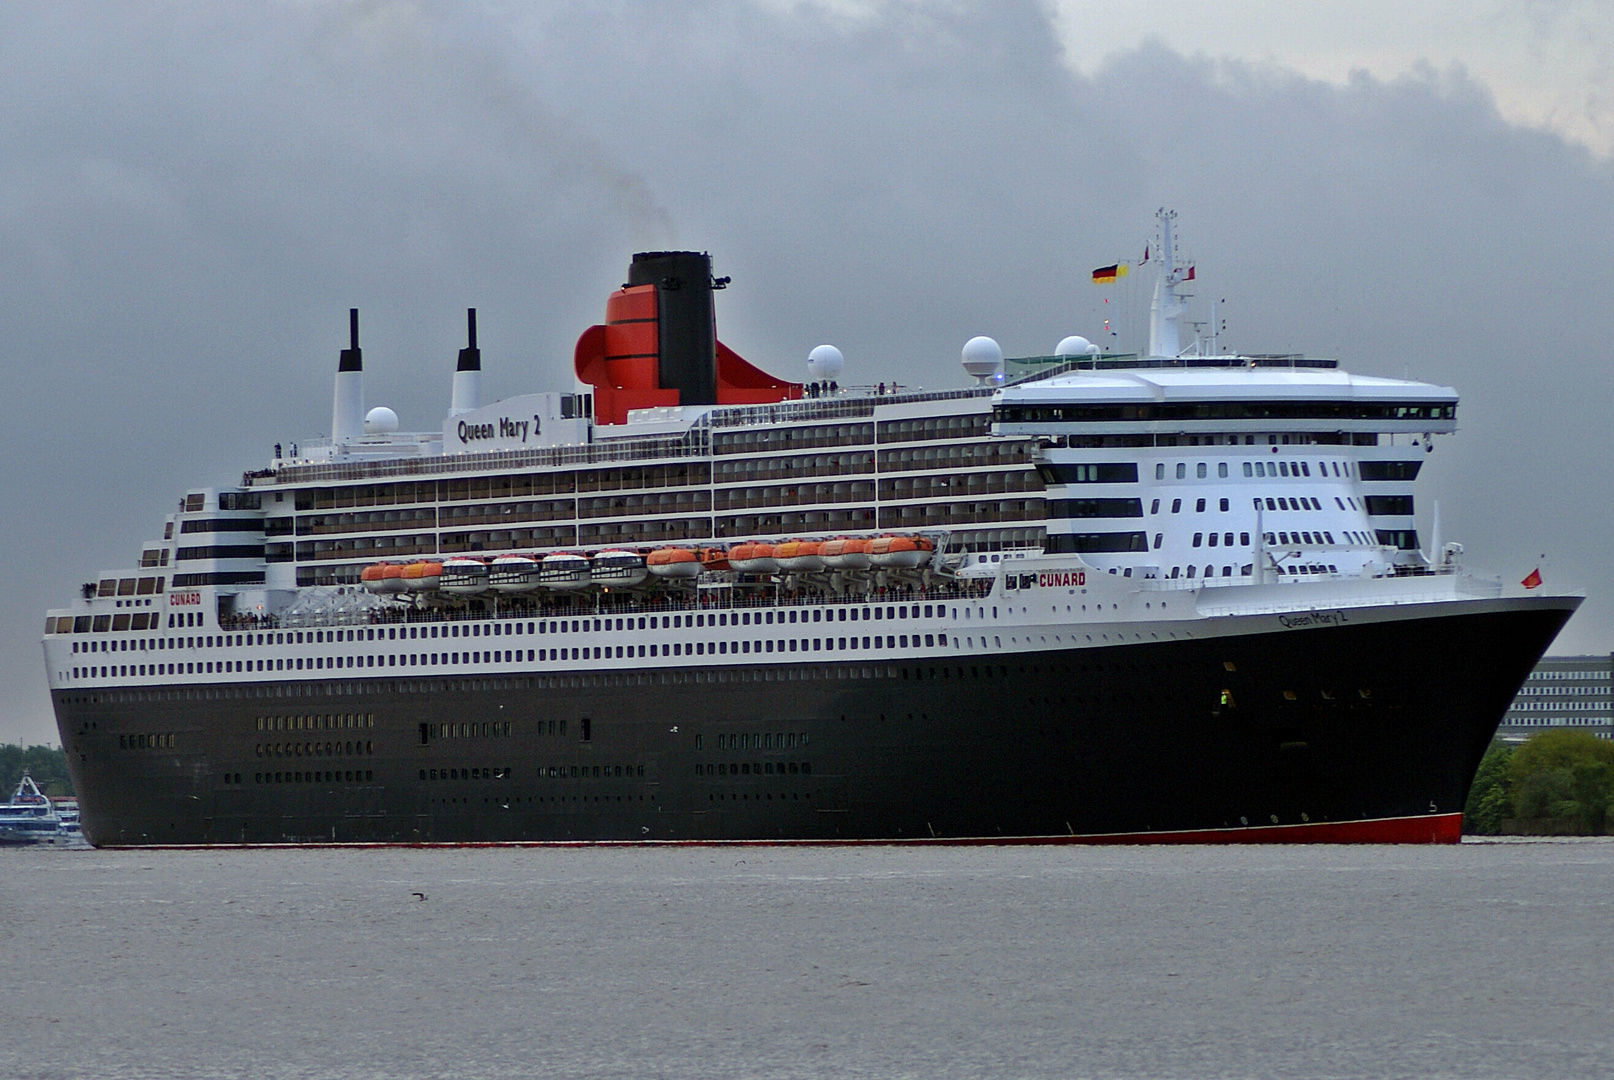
<point x="1165" y="597"/>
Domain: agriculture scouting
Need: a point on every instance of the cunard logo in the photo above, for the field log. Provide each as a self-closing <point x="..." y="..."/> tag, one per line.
<point x="1061" y="579"/>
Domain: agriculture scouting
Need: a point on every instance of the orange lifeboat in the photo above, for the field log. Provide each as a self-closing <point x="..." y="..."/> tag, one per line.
<point x="671" y="562"/>
<point x="392" y="579"/>
<point x="900" y="552"/>
<point x="845" y="554"/>
<point x="714" y="559"/>
<point x="799" y="556"/>
<point x="421" y="576"/>
<point x="374" y="577"/>
<point x="753" y="558"/>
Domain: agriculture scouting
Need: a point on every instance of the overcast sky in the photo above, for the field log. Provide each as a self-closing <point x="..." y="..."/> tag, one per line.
<point x="192" y="195"/>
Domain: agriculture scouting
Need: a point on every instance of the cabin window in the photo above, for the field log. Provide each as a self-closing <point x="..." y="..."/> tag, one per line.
<point x="1182" y="470"/>
<point x="1221" y="469"/>
<point x="1200" y="470"/>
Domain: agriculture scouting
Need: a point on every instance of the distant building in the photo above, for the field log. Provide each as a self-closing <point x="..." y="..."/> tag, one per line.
<point x="1563" y="691"/>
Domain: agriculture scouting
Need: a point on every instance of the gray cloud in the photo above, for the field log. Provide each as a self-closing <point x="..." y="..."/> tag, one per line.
<point x="191" y="195"/>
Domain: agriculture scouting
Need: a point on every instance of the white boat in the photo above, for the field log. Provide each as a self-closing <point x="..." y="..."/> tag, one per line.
<point x="619" y="569"/>
<point x="30" y="817"/>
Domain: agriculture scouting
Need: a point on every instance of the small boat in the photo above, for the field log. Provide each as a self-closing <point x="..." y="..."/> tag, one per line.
<point x="845" y="554"/>
<point x="463" y="577"/>
<point x="714" y="560"/>
<point x="392" y="579"/>
<point x="30" y="817"/>
<point x="753" y="558"/>
<point x="514" y="574"/>
<point x="671" y="562"/>
<point x="900" y="552"/>
<point x="616" y="568"/>
<point x="799" y="556"/>
<point x="373" y="577"/>
<point x="563" y="570"/>
<point x="422" y="577"/>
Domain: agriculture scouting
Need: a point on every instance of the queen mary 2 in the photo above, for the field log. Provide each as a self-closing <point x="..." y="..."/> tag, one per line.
<point x="1167" y="597"/>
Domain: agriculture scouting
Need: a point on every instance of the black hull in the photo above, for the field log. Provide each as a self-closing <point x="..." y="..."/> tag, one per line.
<point x="1327" y="724"/>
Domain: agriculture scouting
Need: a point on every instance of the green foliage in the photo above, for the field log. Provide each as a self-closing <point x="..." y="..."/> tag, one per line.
<point x="46" y="764"/>
<point x="1565" y="775"/>
<point x="1489" y="802"/>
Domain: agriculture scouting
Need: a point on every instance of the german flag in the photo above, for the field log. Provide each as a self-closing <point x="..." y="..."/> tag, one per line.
<point x="1106" y="275"/>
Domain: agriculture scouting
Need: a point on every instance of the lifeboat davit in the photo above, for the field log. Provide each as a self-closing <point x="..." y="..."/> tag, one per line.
<point x="753" y="558"/>
<point x="563" y="571"/>
<point x="900" y="552"/>
<point x="374" y="577"/>
<point x="463" y="577"/>
<point x="617" y="568"/>
<point x="514" y="573"/>
<point x="421" y="576"/>
<point x="671" y="562"/>
<point x="799" y="556"/>
<point x="845" y="554"/>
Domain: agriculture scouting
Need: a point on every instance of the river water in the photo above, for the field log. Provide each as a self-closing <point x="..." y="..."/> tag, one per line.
<point x="1479" y="960"/>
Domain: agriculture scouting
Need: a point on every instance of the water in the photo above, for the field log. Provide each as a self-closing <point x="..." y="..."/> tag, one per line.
<point x="1469" y="961"/>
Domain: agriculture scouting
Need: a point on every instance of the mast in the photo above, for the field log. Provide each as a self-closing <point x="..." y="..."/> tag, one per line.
<point x="1166" y="311"/>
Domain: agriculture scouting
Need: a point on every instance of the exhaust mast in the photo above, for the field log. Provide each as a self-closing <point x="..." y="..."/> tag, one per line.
<point x="347" y="409"/>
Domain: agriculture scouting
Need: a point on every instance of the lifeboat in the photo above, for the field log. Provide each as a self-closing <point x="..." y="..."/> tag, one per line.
<point x="374" y="577"/>
<point x="845" y="554"/>
<point x="514" y="573"/>
<point x="799" y="556"/>
<point x="421" y="576"/>
<point x="563" y="571"/>
<point x="463" y="577"/>
<point x="714" y="560"/>
<point x="671" y="562"/>
<point x="617" y="568"/>
<point x="753" y="558"/>
<point x="900" y="552"/>
<point x="392" y="579"/>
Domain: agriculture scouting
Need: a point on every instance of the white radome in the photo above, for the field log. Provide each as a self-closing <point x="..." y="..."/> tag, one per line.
<point x="1075" y="345"/>
<point x="380" y="420"/>
<point x="825" y="363"/>
<point x="983" y="357"/>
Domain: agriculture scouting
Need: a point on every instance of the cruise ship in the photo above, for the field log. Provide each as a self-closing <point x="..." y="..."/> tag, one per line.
<point x="1172" y="596"/>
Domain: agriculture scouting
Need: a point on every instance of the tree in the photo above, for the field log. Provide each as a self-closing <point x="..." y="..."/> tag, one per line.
<point x="1488" y="800"/>
<point x="46" y="764"/>
<point x="1566" y="774"/>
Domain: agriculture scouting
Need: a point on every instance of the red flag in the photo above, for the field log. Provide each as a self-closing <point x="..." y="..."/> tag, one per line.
<point x="1189" y="276"/>
<point x="1534" y="580"/>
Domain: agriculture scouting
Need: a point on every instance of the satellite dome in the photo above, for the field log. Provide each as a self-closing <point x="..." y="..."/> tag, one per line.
<point x="824" y="363"/>
<point x="983" y="358"/>
<point x="380" y="420"/>
<point x="1075" y="345"/>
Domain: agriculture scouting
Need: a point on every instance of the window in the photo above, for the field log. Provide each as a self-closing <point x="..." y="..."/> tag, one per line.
<point x="1199" y="538"/>
<point x="1182" y="470"/>
<point x="1061" y="543"/>
<point x="1199" y="506"/>
<point x="1096" y="508"/>
<point x="1249" y="469"/>
<point x="1199" y="470"/>
<point x="1157" y="538"/>
<point x="1221" y="469"/>
<point x="1389" y="470"/>
<point x="1223" y="506"/>
<point x="1213" y="539"/>
<point x="1103" y="473"/>
<point x="1154" y="507"/>
<point x="1176" y="505"/>
<point x="1160" y="470"/>
<point x="1378" y="505"/>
